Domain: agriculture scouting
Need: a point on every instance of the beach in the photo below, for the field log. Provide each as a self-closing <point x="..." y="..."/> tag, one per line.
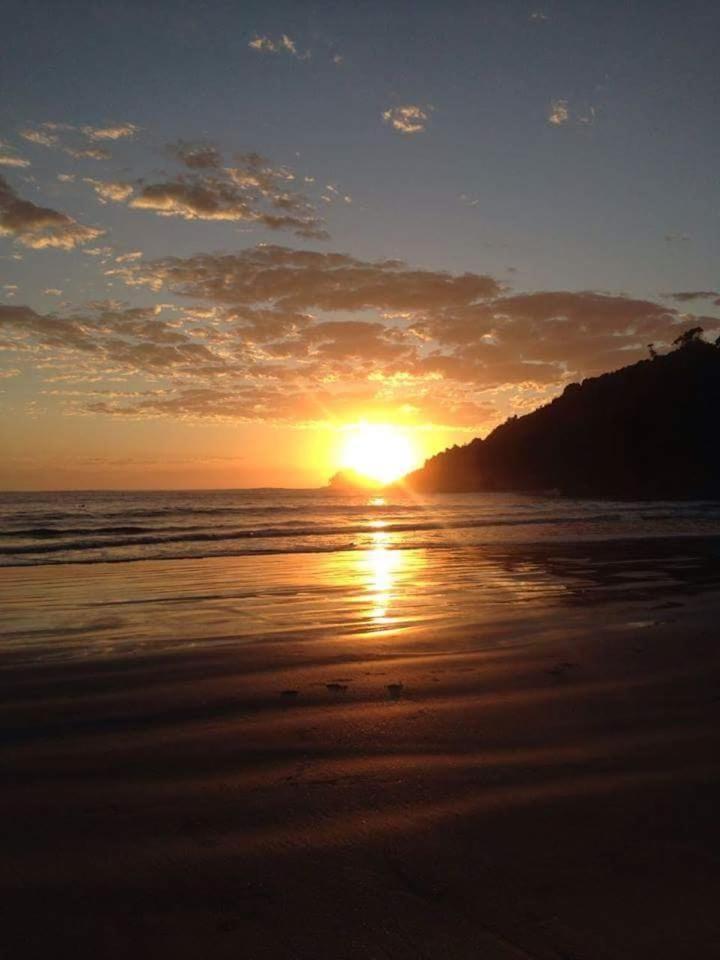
<point x="498" y="751"/>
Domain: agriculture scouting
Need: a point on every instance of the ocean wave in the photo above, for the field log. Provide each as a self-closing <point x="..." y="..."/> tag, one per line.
<point x="300" y="549"/>
<point x="307" y="531"/>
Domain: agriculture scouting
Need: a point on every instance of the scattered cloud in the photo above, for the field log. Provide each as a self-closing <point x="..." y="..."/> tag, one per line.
<point x="116" y="131"/>
<point x="40" y="227"/>
<point x="284" y="44"/>
<point x="87" y="153"/>
<point x="251" y="191"/>
<point x="110" y="190"/>
<point x="196" y="156"/>
<point x="558" y="113"/>
<point x="677" y="237"/>
<point x="40" y="137"/>
<point x="409" y="118"/>
<point x="78" y="142"/>
<point x="537" y="16"/>
<point x="10" y="158"/>
<point x="587" y="118"/>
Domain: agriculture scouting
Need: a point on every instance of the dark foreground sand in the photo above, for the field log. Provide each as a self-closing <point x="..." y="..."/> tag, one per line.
<point x="544" y="784"/>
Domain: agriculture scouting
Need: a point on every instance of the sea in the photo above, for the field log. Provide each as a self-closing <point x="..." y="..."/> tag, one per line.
<point x="117" y="575"/>
<point x="107" y="527"/>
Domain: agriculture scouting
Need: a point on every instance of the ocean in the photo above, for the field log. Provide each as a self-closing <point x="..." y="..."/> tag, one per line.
<point x="99" y="527"/>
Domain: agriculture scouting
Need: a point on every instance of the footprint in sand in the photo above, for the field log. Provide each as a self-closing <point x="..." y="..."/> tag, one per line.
<point x="290" y="694"/>
<point x="561" y="670"/>
<point x="394" y="690"/>
<point x="336" y="687"/>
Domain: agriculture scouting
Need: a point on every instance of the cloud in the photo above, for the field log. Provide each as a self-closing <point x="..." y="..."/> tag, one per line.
<point x="110" y="190"/>
<point x="87" y="153"/>
<point x="410" y="118"/>
<point x="685" y="296"/>
<point x="115" y="131"/>
<point x="40" y="137"/>
<point x="301" y="279"/>
<point x="282" y="45"/>
<point x="272" y="333"/>
<point x="40" y="227"/>
<point x="196" y="156"/>
<point x="251" y="191"/>
<point x="78" y="142"/>
<point x="559" y="112"/>
<point x="9" y="158"/>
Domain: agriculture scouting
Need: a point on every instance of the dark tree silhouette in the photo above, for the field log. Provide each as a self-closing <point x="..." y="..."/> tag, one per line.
<point x="693" y="335"/>
<point x="648" y="430"/>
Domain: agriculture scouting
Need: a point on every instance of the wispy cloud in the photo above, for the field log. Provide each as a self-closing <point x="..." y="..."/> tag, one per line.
<point x="284" y="44"/>
<point x="78" y="142"/>
<point x="10" y="158"/>
<point x="409" y="118"/>
<point x="117" y="131"/>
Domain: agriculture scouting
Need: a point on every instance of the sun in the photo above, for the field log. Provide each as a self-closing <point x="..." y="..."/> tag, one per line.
<point x="380" y="452"/>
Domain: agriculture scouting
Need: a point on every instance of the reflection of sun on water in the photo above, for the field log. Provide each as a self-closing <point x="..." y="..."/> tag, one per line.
<point x="383" y="566"/>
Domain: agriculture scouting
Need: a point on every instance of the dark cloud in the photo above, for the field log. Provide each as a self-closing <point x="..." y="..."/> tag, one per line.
<point x="302" y="279"/>
<point x="196" y="156"/>
<point x="250" y="191"/>
<point x="40" y="227"/>
<point x="685" y="296"/>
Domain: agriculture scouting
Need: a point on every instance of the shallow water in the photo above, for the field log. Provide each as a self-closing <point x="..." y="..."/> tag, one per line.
<point x="57" y="612"/>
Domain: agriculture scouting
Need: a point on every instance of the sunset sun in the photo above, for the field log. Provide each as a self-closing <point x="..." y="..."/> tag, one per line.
<point x="379" y="452"/>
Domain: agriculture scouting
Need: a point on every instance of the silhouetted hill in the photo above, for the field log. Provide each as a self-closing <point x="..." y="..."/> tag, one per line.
<point x="349" y="481"/>
<point x="647" y="430"/>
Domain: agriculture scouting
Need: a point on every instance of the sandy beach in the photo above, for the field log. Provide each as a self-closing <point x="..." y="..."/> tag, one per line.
<point x="470" y="754"/>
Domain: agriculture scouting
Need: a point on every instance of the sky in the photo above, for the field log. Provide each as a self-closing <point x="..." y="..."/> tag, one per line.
<point x="230" y="231"/>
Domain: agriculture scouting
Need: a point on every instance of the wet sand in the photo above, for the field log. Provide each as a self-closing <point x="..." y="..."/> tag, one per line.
<point x="400" y="755"/>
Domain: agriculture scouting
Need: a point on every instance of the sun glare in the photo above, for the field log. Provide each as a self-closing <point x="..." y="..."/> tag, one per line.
<point x="380" y="452"/>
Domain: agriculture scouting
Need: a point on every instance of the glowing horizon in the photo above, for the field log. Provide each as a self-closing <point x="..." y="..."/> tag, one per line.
<point x="201" y="289"/>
